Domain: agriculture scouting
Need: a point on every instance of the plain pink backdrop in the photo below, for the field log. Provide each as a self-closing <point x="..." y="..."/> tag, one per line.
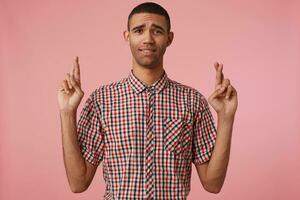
<point x="258" y="42"/>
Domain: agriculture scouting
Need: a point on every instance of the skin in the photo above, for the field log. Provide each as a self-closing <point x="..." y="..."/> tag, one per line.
<point x="148" y="67"/>
<point x="79" y="172"/>
<point x="224" y="101"/>
<point x="153" y="35"/>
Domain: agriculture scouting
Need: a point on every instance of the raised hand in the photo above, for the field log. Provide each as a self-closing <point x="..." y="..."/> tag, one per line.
<point x="224" y="98"/>
<point x="70" y="93"/>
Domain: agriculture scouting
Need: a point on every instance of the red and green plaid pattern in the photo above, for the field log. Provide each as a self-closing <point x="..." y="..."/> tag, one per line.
<point x="146" y="137"/>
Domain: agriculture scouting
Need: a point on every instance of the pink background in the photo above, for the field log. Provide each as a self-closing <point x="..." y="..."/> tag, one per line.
<point x="258" y="42"/>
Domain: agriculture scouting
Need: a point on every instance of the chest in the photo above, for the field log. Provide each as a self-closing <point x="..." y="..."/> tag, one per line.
<point x="129" y="119"/>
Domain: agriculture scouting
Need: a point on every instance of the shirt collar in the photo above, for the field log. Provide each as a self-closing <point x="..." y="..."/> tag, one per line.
<point x="138" y="86"/>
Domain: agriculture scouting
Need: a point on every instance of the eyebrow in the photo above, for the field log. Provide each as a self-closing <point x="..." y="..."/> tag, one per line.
<point x="143" y="25"/>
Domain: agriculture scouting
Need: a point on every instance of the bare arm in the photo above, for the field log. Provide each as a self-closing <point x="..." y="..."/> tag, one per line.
<point x="80" y="173"/>
<point x="212" y="174"/>
<point x="224" y="101"/>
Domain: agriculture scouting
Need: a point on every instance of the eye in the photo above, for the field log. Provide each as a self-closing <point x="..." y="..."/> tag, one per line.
<point x="138" y="31"/>
<point x="157" y="32"/>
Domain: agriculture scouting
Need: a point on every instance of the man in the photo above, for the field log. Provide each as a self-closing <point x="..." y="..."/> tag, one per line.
<point x="146" y="129"/>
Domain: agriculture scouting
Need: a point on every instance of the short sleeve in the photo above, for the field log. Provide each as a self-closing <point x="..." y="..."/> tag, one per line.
<point x="89" y="129"/>
<point x="204" y="133"/>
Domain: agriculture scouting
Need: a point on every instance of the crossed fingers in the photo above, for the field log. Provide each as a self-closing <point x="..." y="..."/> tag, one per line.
<point x="223" y="84"/>
<point x="72" y="79"/>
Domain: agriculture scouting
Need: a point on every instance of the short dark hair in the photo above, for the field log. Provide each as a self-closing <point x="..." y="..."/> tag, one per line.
<point x="150" y="7"/>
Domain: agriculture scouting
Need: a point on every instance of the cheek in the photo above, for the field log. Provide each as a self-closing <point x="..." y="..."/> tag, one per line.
<point x="133" y="47"/>
<point x="162" y="43"/>
<point x="133" y="43"/>
<point x="162" y="46"/>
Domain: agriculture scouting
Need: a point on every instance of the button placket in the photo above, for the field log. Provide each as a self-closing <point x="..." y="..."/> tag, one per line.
<point x="150" y="145"/>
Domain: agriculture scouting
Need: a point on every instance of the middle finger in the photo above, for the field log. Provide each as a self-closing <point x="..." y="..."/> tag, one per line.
<point x="225" y="83"/>
<point x="229" y="91"/>
<point x="219" y="74"/>
<point x="68" y="78"/>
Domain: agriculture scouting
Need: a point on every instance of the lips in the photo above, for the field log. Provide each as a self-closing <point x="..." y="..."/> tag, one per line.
<point x="147" y="51"/>
<point x="153" y="50"/>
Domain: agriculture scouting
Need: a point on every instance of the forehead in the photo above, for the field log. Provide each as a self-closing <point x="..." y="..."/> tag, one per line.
<point x="148" y="19"/>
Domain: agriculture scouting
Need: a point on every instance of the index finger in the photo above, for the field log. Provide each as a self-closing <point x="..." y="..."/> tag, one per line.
<point x="77" y="70"/>
<point x="219" y="73"/>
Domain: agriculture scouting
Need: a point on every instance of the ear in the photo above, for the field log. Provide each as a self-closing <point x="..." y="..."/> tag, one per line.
<point x="170" y="38"/>
<point x="126" y="36"/>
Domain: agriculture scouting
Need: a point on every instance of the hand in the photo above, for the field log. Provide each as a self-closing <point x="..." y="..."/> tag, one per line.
<point x="224" y="98"/>
<point x="70" y="93"/>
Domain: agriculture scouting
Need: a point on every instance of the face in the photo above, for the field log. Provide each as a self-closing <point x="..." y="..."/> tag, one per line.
<point x="148" y="39"/>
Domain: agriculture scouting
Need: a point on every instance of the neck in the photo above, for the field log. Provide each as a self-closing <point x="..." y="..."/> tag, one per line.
<point x="148" y="75"/>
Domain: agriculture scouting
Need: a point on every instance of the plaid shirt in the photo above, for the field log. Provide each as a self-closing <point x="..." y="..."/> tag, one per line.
<point x="146" y="137"/>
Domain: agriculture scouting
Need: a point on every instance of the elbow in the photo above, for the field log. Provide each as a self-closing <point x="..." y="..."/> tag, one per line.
<point x="214" y="185"/>
<point x="78" y="188"/>
<point x="77" y="185"/>
<point x="213" y="190"/>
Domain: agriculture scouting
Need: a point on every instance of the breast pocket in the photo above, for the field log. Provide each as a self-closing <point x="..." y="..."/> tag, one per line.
<point x="177" y="135"/>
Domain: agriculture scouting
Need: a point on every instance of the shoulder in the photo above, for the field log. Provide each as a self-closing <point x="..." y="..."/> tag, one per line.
<point x="196" y="97"/>
<point x="193" y="92"/>
<point x="107" y="88"/>
<point x="103" y="94"/>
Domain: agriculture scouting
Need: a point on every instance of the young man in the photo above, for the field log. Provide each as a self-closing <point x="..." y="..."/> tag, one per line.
<point x="146" y="129"/>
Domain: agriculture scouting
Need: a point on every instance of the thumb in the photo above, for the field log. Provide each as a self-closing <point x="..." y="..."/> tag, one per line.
<point x="216" y="93"/>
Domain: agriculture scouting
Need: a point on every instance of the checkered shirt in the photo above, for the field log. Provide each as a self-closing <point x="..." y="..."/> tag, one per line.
<point x="146" y="137"/>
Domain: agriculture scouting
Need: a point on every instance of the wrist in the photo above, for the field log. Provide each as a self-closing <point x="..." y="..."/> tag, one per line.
<point x="225" y="117"/>
<point x="67" y="112"/>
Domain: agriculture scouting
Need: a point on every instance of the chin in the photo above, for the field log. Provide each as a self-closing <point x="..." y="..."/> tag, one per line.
<point x="148" y="66"/>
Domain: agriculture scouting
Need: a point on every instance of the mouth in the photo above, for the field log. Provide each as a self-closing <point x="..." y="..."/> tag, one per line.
<point x="147" y="52"/>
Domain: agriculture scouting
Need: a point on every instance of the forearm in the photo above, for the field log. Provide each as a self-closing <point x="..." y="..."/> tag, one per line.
<point x="74" y="163"/>
<point x="217" y="167"/>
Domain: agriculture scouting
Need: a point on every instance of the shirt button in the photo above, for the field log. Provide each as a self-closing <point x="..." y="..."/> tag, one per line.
<point x="150" y="89"/>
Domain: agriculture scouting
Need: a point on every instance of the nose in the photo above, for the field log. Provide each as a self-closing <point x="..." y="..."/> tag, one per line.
<point x="148" y="37"/>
